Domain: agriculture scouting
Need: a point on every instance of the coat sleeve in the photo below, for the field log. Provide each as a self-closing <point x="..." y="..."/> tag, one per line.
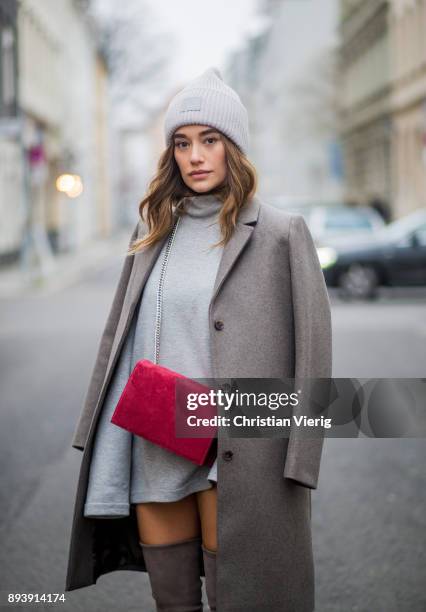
<point x="104" y="351"/>
<point x="313" y="347"/>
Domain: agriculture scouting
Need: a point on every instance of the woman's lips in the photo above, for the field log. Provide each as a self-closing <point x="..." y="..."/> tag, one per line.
<point x="200" y="175"/>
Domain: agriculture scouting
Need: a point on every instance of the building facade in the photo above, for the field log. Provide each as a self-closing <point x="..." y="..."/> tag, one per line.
<point x="407" y="30"/>
<point x="62" y="111"/>
<point x="286" y="77"/>
<point x="12" y="212"/>
<point x="383" y="119"/>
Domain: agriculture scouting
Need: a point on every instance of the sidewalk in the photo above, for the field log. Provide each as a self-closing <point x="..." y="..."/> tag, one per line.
<point x="68" y="268"/>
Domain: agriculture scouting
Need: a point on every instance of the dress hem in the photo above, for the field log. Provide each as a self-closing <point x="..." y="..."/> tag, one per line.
<point x="168" y="496"/>
<point x="113" y="510"/>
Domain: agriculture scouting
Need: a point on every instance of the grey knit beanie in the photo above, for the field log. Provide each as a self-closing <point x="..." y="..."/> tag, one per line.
<point x="206" y="100"/>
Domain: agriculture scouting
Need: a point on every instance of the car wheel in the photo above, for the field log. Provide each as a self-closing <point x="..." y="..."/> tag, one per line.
<point x="359" y="281"/>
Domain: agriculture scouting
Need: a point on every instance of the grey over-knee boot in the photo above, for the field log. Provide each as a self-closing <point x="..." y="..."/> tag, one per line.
<point x="209" y="557"/>
<point x="174" y="575"/>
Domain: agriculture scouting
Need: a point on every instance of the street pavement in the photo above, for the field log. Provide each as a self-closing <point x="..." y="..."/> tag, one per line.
<point x="368" y="513"/>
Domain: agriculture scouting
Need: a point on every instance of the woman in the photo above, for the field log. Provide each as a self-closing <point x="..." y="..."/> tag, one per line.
<point x="252" y="304"/>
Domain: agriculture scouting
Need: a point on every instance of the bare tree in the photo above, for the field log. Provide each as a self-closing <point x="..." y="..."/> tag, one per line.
<point x="316" y="98"/>
<point x="137" y="52"/>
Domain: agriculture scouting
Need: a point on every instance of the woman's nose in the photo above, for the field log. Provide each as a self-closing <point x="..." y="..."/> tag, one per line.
<point x="196" y="153"/>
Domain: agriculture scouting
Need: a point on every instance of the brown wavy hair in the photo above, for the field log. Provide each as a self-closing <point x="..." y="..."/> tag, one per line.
<point x="167" y="190"/>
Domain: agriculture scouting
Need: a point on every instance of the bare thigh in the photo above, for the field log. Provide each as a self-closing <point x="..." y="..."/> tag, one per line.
<point x="168" y="522"/>
<point x="207" y="509"/>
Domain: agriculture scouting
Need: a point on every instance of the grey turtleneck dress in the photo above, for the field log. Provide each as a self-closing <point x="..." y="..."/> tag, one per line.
<point x="127" y="469"/>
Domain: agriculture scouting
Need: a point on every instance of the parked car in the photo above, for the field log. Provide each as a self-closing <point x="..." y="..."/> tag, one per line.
<point x="329" y="220"/>
<point x="393" y="256"/>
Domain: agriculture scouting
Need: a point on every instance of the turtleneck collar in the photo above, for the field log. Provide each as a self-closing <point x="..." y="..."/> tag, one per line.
<point x="202" y="205"/>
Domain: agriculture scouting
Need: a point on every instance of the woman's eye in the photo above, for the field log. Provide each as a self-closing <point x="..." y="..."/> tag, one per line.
<point x="209" y="140"/>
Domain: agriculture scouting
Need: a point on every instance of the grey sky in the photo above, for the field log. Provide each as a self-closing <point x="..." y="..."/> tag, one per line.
<point x="202" y="34"/>
<point x="205" y="32"/>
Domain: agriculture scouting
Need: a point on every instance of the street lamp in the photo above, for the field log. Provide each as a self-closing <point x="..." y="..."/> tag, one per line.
<point x="70" y="184"/>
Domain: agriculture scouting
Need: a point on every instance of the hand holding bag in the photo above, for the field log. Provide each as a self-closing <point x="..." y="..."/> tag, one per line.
<point x="152" y="400"/>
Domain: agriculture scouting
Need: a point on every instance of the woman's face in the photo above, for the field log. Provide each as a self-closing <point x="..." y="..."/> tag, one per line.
<point x="200" y="149"/>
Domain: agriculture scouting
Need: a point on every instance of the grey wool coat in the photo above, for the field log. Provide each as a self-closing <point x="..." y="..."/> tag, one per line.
<point x="271" y="298"/>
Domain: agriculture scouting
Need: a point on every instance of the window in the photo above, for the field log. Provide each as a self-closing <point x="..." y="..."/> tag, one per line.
<point x="346" y="219"/>
<point x="8" y="55"/>
<point x="420" y="235"/>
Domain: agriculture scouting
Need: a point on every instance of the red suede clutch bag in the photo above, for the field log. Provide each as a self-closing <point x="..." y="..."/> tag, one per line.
<point x="154" y="400"/>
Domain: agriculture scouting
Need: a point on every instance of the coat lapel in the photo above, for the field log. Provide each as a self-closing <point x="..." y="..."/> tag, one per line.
<point x="243" y="231"/>
<point x="142" y="265"/>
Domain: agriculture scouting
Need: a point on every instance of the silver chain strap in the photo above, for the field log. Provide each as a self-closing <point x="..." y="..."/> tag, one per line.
<point x="160" y="291"/>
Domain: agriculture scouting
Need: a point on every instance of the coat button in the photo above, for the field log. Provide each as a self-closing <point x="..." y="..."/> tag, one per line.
<point x="227" y="455"/>
<point x="218" y="325"/>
